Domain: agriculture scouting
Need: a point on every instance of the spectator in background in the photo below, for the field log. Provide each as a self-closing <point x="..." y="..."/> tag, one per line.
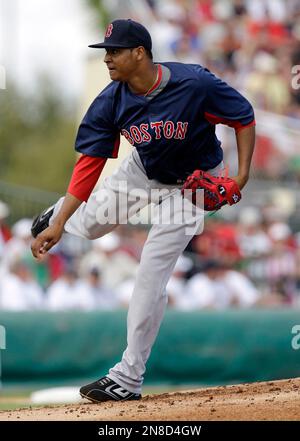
<point x="5" y="233"/>
<point x="176" y="286"/>
<point x="93" y="288"/>
<point x="18" y="248"/>
<point x="265" y="86"/>
<point x="231" y="37"/>
<point x="166" y="27"/>
<point x="229" y="44"/>
<point x="15" y="246"/>
<point x="18" y="290"/>
<point x="66" y="293"/>
<point x="261" y="11"/>
<point x="253" y="240"/>
<point x="133" y="239"/>
<point x="219" y="287"/>
<point x="114" y="264"/>
<point x="200" y="290"/>
<point x="19" y="244"/>
<point x="235" y="289"/>
<point x="281" y="265"/>
<point x="219" y="238"/>
<point x="185" y="50"/>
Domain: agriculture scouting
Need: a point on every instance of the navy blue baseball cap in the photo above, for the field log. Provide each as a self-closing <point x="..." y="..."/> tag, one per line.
<point x="125" y="34"/>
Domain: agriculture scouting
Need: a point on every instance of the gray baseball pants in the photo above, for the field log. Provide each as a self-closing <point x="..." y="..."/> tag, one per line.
<point x="169" y="235"/>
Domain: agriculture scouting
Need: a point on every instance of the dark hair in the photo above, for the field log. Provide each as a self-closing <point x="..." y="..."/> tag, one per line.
<point x="149" y="53"/>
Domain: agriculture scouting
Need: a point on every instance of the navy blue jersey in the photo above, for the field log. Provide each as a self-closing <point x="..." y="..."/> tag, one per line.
<point x="174" y="133"/>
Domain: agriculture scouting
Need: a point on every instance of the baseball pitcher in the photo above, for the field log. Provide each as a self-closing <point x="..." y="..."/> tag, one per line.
<point x="168" y="112"/>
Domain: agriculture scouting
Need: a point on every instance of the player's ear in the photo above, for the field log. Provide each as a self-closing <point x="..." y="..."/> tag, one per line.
<point x="140" y="53"/>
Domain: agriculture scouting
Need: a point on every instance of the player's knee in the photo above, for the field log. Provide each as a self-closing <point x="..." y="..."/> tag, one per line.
<point x="98" y="231"/>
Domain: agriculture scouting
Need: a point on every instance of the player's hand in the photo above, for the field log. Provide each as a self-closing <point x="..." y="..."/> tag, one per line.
<point x="46" y="240"/>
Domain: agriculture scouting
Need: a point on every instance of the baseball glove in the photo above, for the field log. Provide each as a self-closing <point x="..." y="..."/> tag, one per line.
<point x="218" y="190"/>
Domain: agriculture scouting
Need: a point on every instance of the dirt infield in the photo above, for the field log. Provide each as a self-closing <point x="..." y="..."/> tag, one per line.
<point x="272" y="400"/>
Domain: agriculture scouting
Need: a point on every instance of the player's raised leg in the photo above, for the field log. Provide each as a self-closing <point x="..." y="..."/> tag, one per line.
<point x="106" y="207"/>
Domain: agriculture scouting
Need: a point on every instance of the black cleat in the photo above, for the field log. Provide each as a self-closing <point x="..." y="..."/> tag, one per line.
<point x="106" y="389"/>
<point x="41" y="222"/>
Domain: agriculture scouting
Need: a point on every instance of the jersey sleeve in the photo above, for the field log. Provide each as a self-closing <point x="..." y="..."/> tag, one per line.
<point x="225" y="105"/>
<point x="85" y="176"/>
<point x="97" y="135"/>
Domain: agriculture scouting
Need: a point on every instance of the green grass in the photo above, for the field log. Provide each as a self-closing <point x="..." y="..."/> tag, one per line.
<point x="12" y="406"/>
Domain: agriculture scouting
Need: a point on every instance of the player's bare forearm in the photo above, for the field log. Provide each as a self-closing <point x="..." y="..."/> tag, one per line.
<point x="69" y="206"/>
<point x="51" y="235"/>
<point x="245" y="139"/>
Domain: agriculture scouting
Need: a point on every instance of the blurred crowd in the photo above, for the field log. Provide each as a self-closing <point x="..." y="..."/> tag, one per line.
<point x="254" y="45"/>
<point x="251" y="43"/>
<point x="253" y="261"/>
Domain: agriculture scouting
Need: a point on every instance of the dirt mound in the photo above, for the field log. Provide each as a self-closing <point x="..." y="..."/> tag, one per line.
<point x="272" y="400"/>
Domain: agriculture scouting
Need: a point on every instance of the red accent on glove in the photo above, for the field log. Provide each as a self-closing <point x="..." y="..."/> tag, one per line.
<point x="218" y="191"/>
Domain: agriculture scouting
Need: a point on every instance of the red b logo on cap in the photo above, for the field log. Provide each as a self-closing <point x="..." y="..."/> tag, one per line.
<point x="109" y="31"/>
